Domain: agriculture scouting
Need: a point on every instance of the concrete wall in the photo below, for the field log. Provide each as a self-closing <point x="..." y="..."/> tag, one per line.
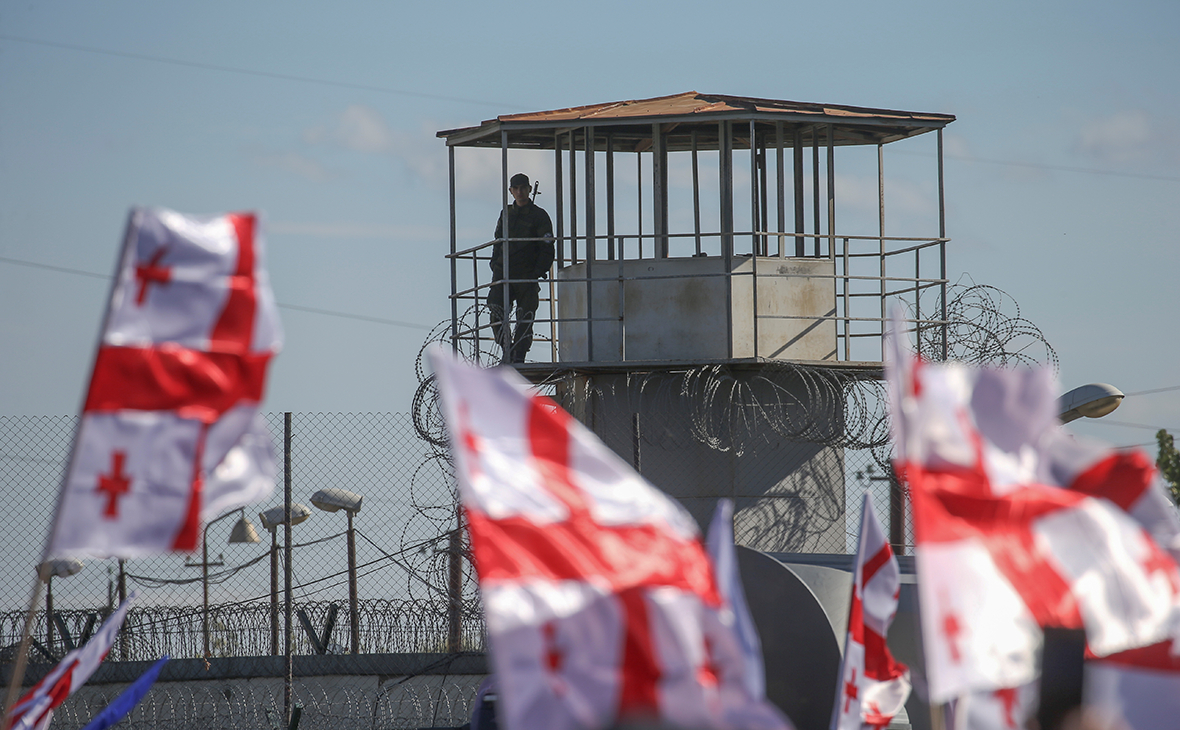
<point x="373" y="692"/>
<point x="676" y="309"/>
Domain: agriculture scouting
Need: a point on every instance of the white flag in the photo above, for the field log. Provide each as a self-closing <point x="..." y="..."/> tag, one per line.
<point x="35" y="708"/>
<point x="723" y="553"/>
<point x="1002" y="548"/>
<point x="1139" y="688"/>
<point x="601" y="603"/>
<point x="170" y="432"/>
<point x="1009" y="708"/>
<point x="873" y="686"/>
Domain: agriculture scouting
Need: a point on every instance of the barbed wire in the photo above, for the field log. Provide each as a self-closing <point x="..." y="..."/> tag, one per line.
<point x="726" y="406"/>
<point x="741" y="408"/>
<point x="244" y="629"/>
<point x="431" y="699"/>
<point x="985" y="327"/>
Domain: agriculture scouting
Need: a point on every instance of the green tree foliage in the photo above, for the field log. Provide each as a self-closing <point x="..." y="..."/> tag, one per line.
<point x="1169" y="463"/>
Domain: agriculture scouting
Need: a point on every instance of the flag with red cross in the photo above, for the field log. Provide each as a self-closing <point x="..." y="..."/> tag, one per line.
<point x="170" y="433"/>
<point x="1009" y="708"/>
<point x="873" y="686"/>
<point x="34" y="709"/>
<point x="601" y="602"/>
<point x="1139" y="688"/>
<point x="1015" y="525"/>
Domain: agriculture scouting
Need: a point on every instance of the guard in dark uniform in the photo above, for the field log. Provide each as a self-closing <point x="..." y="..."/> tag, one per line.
<point x="515" y="270"/>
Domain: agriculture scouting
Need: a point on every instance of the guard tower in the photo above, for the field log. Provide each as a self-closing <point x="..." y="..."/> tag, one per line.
<point x="699" y="247"/>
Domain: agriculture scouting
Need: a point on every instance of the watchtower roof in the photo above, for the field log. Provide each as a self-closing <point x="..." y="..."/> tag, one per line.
<point x="853" y="125"/>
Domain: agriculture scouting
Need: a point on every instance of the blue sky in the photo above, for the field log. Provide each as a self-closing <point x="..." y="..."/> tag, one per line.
<point x="1062" y="178"/>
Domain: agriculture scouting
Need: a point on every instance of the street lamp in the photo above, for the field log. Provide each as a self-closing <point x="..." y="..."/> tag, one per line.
<point x="334" y="500"/>
<point x="272" y="520"/>
<point x="47" y="571"/>
<point x="1092" y="401"/>
<point x="243" y="532"/>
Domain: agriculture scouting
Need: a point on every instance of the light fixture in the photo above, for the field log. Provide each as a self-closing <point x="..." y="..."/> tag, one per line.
<point x="59" y="568"/>
<point x="244" y="532"/>
<point x="272" y="519"/>
<point x="334" y="500"/>
<point x="275" y="516"/>
<point x="1094" y="400"/>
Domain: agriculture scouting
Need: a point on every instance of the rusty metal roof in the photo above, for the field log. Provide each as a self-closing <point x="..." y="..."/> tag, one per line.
<point x="630" y="121"/>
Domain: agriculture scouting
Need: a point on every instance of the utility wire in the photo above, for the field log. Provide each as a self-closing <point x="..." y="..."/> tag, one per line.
<point x="50" y="267"/>
<point x="1109" y="422"/>
<point x="1154" y="390"/>
<point x="295" y="307"/>
<point x="1043" y="166"/>
<point x="250" y="72"/>
<point x="496" y="104"/>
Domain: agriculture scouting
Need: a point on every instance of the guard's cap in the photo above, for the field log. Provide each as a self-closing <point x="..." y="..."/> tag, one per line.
<point x="519" y="180"/>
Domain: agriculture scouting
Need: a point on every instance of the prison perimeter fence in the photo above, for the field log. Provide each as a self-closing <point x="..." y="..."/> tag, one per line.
<point x="416" y="593"/>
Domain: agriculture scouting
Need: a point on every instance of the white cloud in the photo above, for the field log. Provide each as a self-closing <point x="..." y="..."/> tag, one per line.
<point x="352" y="230"/>
<point x="477" y="170"/>
<point x="358" y="128"/>
<point x="424" y="156"/>
<point x="1129" y="136"/>
<point x="901" y="196"/>
<point x="295" y="164"/>
<point x="955" y="146"/>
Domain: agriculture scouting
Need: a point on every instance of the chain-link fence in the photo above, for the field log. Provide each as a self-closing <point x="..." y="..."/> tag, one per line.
<point x="351" y="703"/>
<point x="402" y="551"/>
<point x="792" y="495"/>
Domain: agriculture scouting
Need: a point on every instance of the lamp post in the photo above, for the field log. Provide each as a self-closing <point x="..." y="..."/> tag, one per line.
<point x="1094" y="400"/>
<point x="243" y="532"/>
<point x="272" y="520"/>
<point x="47" y="571"/>
<point x="334" y="500"/>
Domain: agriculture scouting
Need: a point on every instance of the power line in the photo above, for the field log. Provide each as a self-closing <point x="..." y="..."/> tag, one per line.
<point x="50" y="267"/>
<point x="1109" y="422"/>
<point x="1044" y="166"/>
<point x="499" y="105"/>
<point x="251" y="72"/>
<point x="1155" y="390"/>
<point x="362" y="317"/>
<point x="296" y="307"/>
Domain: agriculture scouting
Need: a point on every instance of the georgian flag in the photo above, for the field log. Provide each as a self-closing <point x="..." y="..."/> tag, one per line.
<point x="170" y="433"/>
<point x="1002" y="548"/>
<point x="601" y="603"/>
<point x="873" y="687"/>
<point x="1139" y="688"/>
<point x="34" y="710"/>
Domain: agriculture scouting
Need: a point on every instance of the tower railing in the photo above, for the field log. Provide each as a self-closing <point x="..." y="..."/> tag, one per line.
<point x="867" y="273"/>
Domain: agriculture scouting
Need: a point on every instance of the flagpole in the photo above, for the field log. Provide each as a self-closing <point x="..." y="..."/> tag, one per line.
<point x="938" y="717"/>
<point x="18" y="667"/>
<point x="22" y="654"/>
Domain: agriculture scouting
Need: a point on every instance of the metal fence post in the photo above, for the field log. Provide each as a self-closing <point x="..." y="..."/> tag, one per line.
<point x="287" y="647"/>
<point x="455" y="584"/>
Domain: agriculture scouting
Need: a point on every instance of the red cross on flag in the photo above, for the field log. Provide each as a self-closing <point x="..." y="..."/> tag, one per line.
<point x="34" y="710"/>
<point x="170" y="433"/>
<point x="1010" y="708"/>
<point x="1009" y="536"/>
<point x="873" y="687"/>
<point x="600" y="600"/>
<point x="1139" y="688"/>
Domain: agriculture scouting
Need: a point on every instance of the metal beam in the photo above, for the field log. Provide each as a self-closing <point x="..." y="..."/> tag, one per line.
<point x="659" y="186"/>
